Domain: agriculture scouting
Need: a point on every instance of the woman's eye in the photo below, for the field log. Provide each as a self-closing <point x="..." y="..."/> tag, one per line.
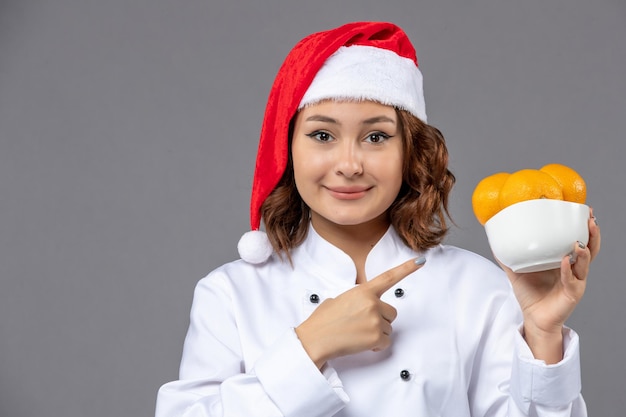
<point x="321" y="136"/>
<point x="377" y="137"/>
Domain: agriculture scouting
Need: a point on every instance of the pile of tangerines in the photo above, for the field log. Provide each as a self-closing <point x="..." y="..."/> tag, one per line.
<point x="500" y="190"/>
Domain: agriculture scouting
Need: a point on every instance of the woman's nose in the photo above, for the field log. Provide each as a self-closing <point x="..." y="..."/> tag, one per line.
<point x="349" y="160"/>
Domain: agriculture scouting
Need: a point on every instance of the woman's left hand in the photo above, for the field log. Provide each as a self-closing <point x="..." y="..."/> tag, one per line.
<point x="548" y="298"/>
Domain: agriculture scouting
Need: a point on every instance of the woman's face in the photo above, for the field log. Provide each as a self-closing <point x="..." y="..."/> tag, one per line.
<point x="347" y="161"/>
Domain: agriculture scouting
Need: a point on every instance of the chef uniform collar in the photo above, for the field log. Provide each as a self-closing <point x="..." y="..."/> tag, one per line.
<point x="326" y="260"/>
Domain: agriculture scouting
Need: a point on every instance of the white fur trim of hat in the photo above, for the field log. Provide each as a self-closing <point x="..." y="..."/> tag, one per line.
<point x="360" y="72"/>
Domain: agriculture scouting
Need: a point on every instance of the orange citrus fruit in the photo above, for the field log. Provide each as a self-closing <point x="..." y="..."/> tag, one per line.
<point x="529" y="184"/>
<point x="572" y="184"/>
<point x="486" y="196"/>
<point x="552" y="181"/>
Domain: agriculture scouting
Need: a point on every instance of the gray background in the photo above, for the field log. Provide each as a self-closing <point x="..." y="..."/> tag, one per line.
<point x="128" y="132"/>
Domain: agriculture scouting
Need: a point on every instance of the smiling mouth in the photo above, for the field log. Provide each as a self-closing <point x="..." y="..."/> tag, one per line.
<point x="348" y="193"/>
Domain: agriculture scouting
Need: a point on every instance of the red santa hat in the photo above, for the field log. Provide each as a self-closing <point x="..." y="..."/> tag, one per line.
<point x="357" y="61"/>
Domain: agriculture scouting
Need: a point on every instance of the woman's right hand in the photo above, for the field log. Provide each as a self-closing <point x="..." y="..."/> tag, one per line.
<point x="356" y="320"/>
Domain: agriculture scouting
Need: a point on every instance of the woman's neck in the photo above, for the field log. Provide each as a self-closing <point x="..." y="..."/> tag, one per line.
<point x="355" y="240"/>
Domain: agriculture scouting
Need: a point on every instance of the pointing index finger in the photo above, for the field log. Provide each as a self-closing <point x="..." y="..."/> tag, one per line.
<point x="389" y="278"/>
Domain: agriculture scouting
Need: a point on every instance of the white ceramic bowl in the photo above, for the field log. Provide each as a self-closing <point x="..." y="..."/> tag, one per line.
<point x="535" y="235"/>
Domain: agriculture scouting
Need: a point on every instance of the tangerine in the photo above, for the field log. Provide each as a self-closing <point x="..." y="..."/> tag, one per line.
<point x="572" y="184"/>
<point x="486" y="196"/>
<point x="529" y="184"/>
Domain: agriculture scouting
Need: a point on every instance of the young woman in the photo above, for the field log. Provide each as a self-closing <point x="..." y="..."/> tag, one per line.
<point x="349" y="305"/>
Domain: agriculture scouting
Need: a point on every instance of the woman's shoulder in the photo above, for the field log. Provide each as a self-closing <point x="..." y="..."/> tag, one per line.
<point x="466" y="267"/>
<point x="451" y="253"/>
<point x="241" y="273"/>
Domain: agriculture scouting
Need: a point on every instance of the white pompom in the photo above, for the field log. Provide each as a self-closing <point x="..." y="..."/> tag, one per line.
<point x="254" y="247"/>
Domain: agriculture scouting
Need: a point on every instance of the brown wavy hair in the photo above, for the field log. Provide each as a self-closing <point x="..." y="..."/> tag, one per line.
<point x="418" y="213"/>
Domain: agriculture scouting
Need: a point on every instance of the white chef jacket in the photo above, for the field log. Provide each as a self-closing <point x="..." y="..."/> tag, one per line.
<point x="456" y="345"/>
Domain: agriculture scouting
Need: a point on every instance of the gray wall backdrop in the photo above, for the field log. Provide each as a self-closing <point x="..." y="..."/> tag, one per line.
<point x="128" y="133"/>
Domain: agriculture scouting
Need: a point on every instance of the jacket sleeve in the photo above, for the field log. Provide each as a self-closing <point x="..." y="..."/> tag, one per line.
<point x="525" y="386"/>
<point x="216" y="380"/>
<point x="548" y="390"/>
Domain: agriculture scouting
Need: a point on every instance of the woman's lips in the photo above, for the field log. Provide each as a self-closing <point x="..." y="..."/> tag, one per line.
<point x="348" y="193"/>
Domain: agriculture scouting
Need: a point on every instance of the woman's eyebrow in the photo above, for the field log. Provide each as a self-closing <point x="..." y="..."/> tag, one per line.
<point x="322" y="118"/>
<point x="378" y="119"/>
